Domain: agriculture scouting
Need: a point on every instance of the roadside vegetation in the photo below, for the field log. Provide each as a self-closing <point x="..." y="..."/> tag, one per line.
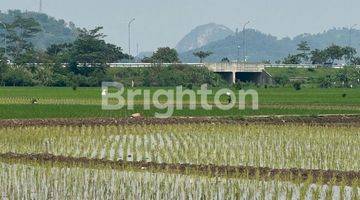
<point x="83" y="62"/>
<point x="320" y="77"/>
<point x="322" y="57"/>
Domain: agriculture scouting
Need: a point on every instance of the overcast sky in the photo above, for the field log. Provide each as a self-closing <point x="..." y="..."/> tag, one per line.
<point x="165" y="22"/>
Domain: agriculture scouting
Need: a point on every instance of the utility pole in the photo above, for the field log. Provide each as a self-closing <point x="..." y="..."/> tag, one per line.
<point x="238" y="54"/>
<point x="137" y="52"/>
<point x="40" y="6"/>
<point x="244" y="40"/>
<point x="137" y="49"/>
<point x="350" y="34"/>
<point x="5" y="35"/>
<point x="129" y="27"/>
<point x="237" y="46"/>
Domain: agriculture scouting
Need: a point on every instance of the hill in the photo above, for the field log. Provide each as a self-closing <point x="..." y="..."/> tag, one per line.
<point x="261" y="46"/>
<point x="203" y="35"/>
<point x="54" y="31"/>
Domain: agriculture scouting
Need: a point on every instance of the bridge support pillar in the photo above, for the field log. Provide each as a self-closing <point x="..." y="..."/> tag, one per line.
<point x="230" y="77"/>
<point x="233" y="77"/>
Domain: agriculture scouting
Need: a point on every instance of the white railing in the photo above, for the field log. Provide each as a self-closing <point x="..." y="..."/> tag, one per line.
<point x="221" y="66"/>
<point x="235" y="67"/>
<point x="306" y="66"/>
<point x="144" y="65"/>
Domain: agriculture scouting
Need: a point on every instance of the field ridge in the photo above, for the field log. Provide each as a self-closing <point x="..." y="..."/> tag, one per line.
<point x="353" y="120"/>
<point x="265" y="173"/>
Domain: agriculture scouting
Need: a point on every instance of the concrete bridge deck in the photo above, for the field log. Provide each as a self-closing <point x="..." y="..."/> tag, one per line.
<point x="235" y="67"/>
<point x="232" y="72"/>
<point x="245" y="72"/>
<point x="216" y="67"/>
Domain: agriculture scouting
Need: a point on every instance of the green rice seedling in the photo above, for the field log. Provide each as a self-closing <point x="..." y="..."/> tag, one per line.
<point x="273" y="146"/>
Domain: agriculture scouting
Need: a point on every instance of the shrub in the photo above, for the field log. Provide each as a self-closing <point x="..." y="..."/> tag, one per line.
<point x="168" y="76"/>
<point x="18" y="76"/>
<point x="74" y="87"/>
<point x="281" y="80"/>
<point x="311" y="69"/>
<point x="297" y="85"/>
<point x="239" y="85"/>
<point x="189" y="86"/>
<point x="325" y="82"/>
<point x="59" y="80"/>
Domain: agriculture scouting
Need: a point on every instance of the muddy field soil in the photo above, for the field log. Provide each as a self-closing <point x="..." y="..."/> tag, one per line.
<point x="353" y="120"/>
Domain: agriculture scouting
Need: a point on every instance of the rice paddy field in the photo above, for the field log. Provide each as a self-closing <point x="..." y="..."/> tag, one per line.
<point x="180" y="161"/>
<point x="15" y="103"/>
<point x="66" y="147"/>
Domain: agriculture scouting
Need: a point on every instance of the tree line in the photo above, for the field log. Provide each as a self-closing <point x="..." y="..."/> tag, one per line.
<point x="169" y="55"/>
<point x="323" y="57"/>
<point x="30" y="66"/>
<point x="84" y="62"/>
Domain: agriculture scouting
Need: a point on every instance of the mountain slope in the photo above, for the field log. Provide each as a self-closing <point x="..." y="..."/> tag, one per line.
<point x="261" y="47"/>
<point x="203" y="35"/>
<point x="53" y="31"/>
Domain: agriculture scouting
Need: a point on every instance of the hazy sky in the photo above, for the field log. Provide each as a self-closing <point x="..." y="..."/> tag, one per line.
<point x="165" y="22"/>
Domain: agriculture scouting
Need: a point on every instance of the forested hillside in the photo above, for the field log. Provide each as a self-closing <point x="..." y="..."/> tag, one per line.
<point x="264" y="47"/>
<point x="53" y="31"/>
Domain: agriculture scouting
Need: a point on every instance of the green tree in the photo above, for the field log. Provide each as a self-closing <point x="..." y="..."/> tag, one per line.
<point x="334" y="52"/>
<point x="318" y="57"/>
<point x="20" y="31"/>
<point x="304" y="48"/>
<point x="59" y="53"/>
<point x="3" y="67"/>
<point x="292" y="59"/>
<point x="53" y="31"/>
<point x="147" y="60"/>
<point x="355" y="61"/>
<point x="202" y="55"/>
<point x="165" y="55"/>
<point x="225" y="60"/>
<point x="349" y="53"/>
<point x="90" y="51"/>
<point x="44" y="75"/>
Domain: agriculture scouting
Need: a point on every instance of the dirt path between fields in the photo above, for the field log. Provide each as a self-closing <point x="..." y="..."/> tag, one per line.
<point x="328" y="120"/>
<point x="262" y="173"/>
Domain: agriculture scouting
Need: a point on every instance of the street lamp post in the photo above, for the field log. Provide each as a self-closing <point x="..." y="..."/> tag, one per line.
<point x="350" y="34"/>
<point x="238" y="54"/>
<point x="5" y="35"/>
<point x="129" y="27"/>
<point x="244" y="40"/>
